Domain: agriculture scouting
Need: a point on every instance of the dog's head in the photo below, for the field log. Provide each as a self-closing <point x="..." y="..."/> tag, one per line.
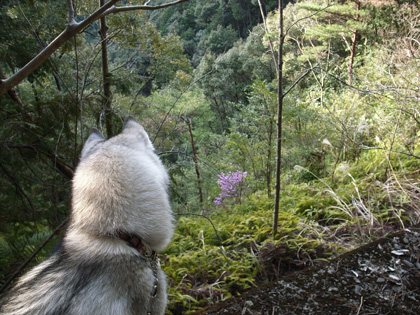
<point x="121" y="185"/>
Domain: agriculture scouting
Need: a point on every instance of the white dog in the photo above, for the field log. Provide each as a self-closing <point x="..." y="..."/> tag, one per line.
<point x="120" y="218"/>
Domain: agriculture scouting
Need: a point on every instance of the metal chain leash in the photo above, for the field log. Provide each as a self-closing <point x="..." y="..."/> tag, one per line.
<point x="154" y="265"/>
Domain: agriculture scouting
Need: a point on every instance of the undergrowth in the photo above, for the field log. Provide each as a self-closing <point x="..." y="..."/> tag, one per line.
<point x="16" y="249"/>
<point x="232" y="248"/>
<point x="204" y="265"/>
<point x="319" y="219"/>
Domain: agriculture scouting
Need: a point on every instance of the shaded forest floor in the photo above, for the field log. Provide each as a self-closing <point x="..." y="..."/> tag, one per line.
<point x="382" y="277"/>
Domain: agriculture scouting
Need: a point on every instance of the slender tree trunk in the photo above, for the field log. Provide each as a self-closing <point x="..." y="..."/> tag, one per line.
<point x="195" y="159"/>
<point x="269" y="154"/>
<point x="353" y="45"/>
<point x="279" y="118"/>
<point x="267" y="32"/>
<point x="107" y="98"/>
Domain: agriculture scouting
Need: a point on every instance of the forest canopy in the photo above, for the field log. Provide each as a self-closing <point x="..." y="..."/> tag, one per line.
<point x="200" y="77"/>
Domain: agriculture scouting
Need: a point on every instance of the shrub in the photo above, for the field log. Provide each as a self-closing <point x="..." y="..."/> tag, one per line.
<point x="233" y="186"/>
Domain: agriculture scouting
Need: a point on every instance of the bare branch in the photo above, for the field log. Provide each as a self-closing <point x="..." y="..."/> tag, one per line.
<point x="115" y="9"/>
<point x="205" y="217"/>
<point x="71" y="30"/>
<point x="71" y="12"/>
<point x="299" y="79"/>
<point x="267" y="32"/>
<point x="58" y="164"/>
<point x="176" y="101"/>
<point x="19" y="188"/>
<point x="330" y="4"/>
<point x="364" y="147"/>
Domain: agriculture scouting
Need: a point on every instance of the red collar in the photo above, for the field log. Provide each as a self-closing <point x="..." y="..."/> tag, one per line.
<point x="137" y="243"/>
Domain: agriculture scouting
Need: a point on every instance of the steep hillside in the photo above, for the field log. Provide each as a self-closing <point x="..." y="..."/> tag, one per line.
<point x="382" y="277"/>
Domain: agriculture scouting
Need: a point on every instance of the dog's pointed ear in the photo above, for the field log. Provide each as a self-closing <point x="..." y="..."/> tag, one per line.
<point x="131" y="124"/>
<point x="132" y="127"/>
<point x="90" y="145"/>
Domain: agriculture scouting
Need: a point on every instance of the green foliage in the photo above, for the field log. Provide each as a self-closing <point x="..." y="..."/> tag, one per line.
<point x="219" y="40"/>
<point x="213" y="25"/>
<point x="18" y="23"/>
<point x="208" y="262"/>
<point x="225" y="79"/>
<point x="350" y="155"/>
<point x="23" y="241"/>
<point x="205" y="264"/>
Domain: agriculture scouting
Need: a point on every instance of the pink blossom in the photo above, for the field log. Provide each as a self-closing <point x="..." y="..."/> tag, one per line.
<point x="232" y="186"/>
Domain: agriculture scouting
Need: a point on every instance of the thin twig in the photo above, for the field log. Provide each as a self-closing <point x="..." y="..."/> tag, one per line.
<point x="308" y="16"/>
<point x="376" y="92"/>
<point x="299" y="79"/>
<point x="267" y="32"/>
<point x="205" y="217"/>
<point x="176" y="101"/>
<point x="360" y="306"/>
<point x="18" y="187"/>
<point x="214" y="228"/>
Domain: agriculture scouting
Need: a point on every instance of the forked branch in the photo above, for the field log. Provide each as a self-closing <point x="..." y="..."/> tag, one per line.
<point x="71" y="30"/>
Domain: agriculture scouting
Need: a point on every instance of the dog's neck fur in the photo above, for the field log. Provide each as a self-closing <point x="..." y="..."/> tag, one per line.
<point x="136" y="242"/>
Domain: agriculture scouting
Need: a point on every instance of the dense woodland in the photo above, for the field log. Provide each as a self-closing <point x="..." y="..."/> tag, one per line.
<point x="202" y="78"/>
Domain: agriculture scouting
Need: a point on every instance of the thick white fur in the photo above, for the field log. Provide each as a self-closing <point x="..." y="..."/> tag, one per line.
<point x="120" y="184"/>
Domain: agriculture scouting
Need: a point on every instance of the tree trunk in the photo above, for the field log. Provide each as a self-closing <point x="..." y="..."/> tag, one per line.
<point x="353" y="46"/>
<point x="107" y="98"/>
<point x="269" y="153"/>
<point x="279" y="118"/>
<point x="195" y="159"/>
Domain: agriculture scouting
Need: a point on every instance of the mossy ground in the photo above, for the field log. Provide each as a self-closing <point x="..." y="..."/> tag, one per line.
<point x="232" y="249"/>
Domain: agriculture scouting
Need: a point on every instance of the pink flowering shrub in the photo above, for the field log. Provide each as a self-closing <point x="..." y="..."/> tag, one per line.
<point x="233" y="186"/>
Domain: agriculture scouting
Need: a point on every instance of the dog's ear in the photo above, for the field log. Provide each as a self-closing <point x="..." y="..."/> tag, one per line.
<point x="133" y="128"/>
<point x="91" y="144"/>
<point x="131" y="125"/>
